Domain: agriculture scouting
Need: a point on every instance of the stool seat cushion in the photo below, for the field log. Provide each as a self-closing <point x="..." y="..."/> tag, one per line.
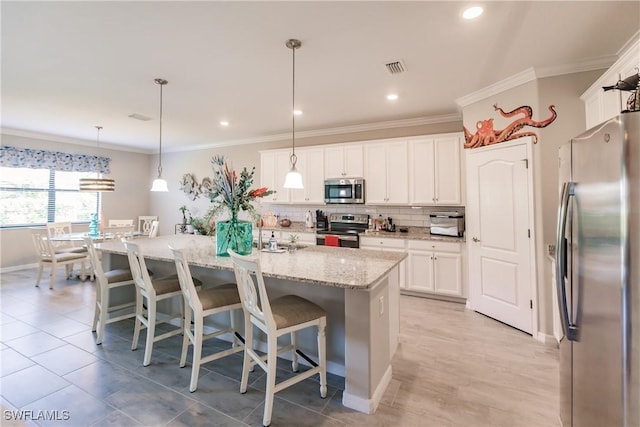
<point x="65" y="257"/>
<point x="118" y="275"/>
<point x="292" y="310"/>
<point x="170" y="284"/>
<point x="219" y="296"/>
<point x="72" y="250"/>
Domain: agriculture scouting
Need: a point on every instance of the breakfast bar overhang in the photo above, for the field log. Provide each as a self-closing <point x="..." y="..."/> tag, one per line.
<point x="358" y="288"/>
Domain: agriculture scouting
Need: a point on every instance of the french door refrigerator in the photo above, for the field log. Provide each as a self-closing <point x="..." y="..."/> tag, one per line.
<point x="598" y="275"/>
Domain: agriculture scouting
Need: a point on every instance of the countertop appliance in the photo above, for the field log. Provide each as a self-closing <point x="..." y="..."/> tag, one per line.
<point x="447" y="223"/>
<point x="344" y="190"/>
<point x="598" y="275"/>
<point x="343" y="230"/>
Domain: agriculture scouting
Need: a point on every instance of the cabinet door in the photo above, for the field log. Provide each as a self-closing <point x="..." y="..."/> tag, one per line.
<point x="353" y="162"/>
<point x="396" y="173"/>
<point x="611" y="104"/>
<point x="447" y="273"/>
<point x="310" y="164"/>
<point x="420" y="272"/>
<point x="421" y="173"/>
<point x="375" y="163"/>
<point x="274" y="166"/>
<point x="334" y="162"/>
<point x="447" y="170"/>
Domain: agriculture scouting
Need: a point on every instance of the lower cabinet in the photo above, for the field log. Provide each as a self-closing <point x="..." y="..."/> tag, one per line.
<point x="386" y="244"/>
<point x="435" y="267"/>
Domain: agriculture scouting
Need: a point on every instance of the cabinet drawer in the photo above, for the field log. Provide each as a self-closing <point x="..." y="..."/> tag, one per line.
<point x="432" y="245"/>
<point x="381" y="242"/>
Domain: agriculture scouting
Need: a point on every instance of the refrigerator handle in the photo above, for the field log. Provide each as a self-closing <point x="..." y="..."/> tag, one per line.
<point x="561" y="260"/>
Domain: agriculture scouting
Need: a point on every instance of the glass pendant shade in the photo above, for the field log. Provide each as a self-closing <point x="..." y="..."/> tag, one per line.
<point x="293" y="179"/>
<point x="159" y="184"/>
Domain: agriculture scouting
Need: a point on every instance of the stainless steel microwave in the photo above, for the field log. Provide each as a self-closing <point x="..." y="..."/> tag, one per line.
<point x="344" y="190"/>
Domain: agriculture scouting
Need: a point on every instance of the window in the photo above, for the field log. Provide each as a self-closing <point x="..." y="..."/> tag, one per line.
<point x="37" y="196"/>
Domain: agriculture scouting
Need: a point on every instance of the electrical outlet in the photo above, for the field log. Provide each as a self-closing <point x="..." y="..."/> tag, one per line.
<point x="381" y="305"/>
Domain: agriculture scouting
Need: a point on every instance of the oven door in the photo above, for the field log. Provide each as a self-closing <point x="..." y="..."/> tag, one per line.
<point x="350" y="240"/>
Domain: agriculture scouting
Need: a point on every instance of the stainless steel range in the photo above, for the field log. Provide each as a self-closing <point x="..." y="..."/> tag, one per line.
<point x="343" y="230"/>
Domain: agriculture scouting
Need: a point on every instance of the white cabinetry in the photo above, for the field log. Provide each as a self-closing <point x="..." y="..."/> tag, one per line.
<point x="310" y="164"/>
<point x="600" y="105"/>
<point x="343" y="161"/>
<point x="274" y="165"/>
<point x="385" y="173"/>
<point x="435" y="267"/>
<point x="391" y="245"/>
<point x="434" y="170"/>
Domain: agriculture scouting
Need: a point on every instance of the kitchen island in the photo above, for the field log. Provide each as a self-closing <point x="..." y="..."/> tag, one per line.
<point x="358" y="288"/>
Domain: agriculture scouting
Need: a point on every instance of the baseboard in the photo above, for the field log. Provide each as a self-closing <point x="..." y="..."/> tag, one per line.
<point x="368" y="406"/>
<point x="547" y="339"/>
<point x="432" y="296"/>
<point x="18" y="268"/>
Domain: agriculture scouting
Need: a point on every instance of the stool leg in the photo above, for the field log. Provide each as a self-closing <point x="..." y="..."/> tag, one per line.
<point x="272" y="356"/>
<point x="139" y="314"/>
<point x="151" y="330"/>
<point x="248" y="345"/>
<point x="322" y="356"/>
<point x="198" y="330"/>
<point x="39" y="274"/>
<point x="294" y="354"/>
<point x="185" y="335"/>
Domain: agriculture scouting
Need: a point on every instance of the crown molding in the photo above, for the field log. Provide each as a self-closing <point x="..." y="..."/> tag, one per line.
<point x="68" y="140"/>
<point x="498" y="87"/>
<point x="390" y="124"/>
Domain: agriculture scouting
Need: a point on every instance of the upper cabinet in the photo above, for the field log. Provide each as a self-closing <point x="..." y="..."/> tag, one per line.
<point x="274" y="165"/>
<point x="385" y="173"/>
<point x="343" y="161"/>
<point x="600" y="105"/>
<point x="311" y="166"/>
<point x="435" y="171"/>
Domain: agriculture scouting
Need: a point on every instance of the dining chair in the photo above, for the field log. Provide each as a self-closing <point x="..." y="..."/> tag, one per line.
<point x="198" y="305"/>
<point x="145" y="223"/>
<point x="153" y="232"/>
<point x="57" y="230"/>
<point x="118" y="231"/>
<point x="119" y="222"/>
<point x="48" y="256"/>
<point x="149" y="292"/>
<point x="280" y="316"/>
<point x="104" y="313"/>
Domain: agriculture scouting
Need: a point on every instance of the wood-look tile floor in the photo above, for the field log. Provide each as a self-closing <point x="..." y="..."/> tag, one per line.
<point x="454" y="367"/>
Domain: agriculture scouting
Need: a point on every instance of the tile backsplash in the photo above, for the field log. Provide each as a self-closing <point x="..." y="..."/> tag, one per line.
<point x="401" y="215"/>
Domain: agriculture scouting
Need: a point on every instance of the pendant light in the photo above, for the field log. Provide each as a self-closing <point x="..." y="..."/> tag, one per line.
<point x="293" y="178"/>
<point x="160" y="184"/>
<point x="98" y="184"/>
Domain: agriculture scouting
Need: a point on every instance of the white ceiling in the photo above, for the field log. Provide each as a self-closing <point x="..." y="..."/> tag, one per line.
<point x="68" y="66"/>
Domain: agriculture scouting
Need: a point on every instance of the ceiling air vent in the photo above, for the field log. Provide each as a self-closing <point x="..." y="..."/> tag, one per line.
<point x="395" y="67"/>
<point x="139" y="117"/>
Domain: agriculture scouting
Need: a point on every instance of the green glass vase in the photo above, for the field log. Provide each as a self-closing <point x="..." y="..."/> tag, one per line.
<point x="234" y="234"/>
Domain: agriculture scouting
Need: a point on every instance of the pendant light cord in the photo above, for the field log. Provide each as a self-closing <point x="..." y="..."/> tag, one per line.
<point x="98" y="173"/>
<point x="161" y="82"/>
<point x="293" y="109"/>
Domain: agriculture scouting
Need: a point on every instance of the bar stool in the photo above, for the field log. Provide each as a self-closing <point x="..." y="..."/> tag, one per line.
<point x="284" y="315"/>
<point x="105" y="281"/>
<point x="200" y="304"/>
<point x="152" y="292"/>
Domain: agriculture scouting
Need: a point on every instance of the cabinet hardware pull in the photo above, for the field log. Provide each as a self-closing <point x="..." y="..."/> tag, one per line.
<point x="475" y="239"/>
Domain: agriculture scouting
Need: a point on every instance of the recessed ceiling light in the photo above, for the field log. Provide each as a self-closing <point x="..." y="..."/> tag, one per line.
<point x="297" y="112"/>
<point x="392" y="96"/>
<point x="224" y="123"/>
<point x="472" y="12"/>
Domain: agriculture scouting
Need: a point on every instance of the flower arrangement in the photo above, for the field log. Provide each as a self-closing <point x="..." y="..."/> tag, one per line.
<point x="233" y="192"/>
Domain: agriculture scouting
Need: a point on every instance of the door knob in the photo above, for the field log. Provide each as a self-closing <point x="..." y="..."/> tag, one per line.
<point x="475" y="239"/>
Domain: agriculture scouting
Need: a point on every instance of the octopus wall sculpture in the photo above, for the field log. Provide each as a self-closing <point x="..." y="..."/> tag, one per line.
<point x="487" y="135"/>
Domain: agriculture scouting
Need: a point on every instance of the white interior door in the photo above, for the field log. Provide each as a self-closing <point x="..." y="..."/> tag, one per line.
<point x="498" y="229"/>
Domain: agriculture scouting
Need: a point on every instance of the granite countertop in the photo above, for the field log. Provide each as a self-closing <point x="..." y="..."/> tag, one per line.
<point x="413" y="233"/>
<point x="327" y="266"/>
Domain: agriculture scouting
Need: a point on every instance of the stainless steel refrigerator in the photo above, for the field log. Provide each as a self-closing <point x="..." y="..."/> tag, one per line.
<point x="598" y="275"/>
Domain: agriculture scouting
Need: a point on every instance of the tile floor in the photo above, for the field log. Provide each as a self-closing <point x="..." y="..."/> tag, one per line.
<point x="454" y="367"/>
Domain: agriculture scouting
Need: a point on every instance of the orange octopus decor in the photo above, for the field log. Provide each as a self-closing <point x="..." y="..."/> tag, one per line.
<point x="487" y="135"/>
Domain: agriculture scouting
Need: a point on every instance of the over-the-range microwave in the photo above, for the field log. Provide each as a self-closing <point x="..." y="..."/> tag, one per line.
<point x="344" y="190"/>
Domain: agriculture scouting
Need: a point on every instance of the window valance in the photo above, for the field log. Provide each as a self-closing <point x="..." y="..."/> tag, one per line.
<point x="45" y="159"/>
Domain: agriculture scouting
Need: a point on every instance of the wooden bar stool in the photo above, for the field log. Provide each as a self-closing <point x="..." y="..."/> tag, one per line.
<point x="105" y="281"/>
<point x="284" y="315"/>
<point x="151" y="292"/>
<point x="200" y="304"/>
